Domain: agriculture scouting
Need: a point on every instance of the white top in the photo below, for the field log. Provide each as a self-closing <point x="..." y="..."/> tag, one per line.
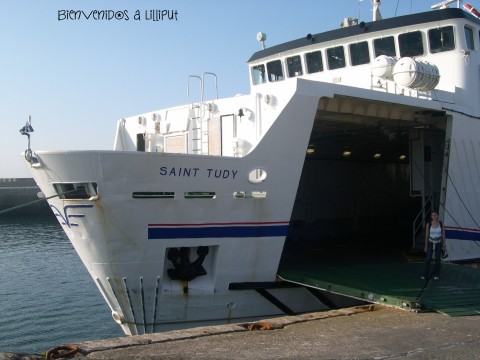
<point x="435" y="232"/>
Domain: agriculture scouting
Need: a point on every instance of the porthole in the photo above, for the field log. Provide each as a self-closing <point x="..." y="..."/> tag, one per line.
<point x="257" y="176"/>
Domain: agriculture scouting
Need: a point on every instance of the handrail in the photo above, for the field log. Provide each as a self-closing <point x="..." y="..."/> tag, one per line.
<point x="421" y="216"/>
<point x="203" y="84"/>
<point x="188" y="87"/>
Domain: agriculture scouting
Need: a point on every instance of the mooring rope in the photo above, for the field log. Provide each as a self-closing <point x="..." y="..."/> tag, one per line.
<point x="34" y="202"/>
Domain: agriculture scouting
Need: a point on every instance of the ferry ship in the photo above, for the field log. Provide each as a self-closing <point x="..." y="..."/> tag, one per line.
<point x="348" y="138"/>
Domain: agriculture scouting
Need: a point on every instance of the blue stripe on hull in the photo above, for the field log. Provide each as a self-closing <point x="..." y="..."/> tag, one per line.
<point x="155" y="233"/>
<point x="462" y="235"/>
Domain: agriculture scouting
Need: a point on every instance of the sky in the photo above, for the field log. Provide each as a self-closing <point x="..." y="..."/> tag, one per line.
<point x="77" y="77"/>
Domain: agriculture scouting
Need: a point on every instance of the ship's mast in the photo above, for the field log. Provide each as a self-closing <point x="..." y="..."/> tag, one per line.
<point x="376" y="10"/>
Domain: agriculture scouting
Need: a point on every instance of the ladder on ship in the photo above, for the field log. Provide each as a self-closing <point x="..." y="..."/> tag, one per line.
<point x="197" y="113"/>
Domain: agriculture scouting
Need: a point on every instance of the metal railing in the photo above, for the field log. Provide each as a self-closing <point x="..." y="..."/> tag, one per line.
<point x="419" y="222"/>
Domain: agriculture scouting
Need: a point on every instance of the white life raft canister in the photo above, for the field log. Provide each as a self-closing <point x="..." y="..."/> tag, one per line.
<point x="416" y="74"/>
<point x="382" y="67"/>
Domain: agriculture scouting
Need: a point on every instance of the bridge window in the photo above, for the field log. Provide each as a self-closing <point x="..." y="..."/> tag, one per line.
<point x="275" y="71"/>
<point x="411" y="44"/>
<point x="441" y="39"/>
<point x="359" y="53"/>
<point x="336" y="57"/>
<point x="469" y="38"/>
<point x="384" y="46"/>
<point x="258" y="74"/>
<point x="294" y="66"/>
<point x="314" y="62"/>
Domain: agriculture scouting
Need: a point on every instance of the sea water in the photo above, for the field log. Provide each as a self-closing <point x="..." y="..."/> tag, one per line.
<point x="47" y="297"/>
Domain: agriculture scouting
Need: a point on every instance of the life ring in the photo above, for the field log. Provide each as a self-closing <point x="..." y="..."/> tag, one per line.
<point x="471" y="10"/>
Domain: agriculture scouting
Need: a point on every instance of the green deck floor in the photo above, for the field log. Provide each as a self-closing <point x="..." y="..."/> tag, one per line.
<point x="395" y="283"/>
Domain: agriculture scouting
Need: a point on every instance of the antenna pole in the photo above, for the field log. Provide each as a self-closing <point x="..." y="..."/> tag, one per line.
<point x="376" y="10"/>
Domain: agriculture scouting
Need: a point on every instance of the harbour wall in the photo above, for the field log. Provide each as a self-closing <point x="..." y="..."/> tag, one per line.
<point x="19" y="191"/>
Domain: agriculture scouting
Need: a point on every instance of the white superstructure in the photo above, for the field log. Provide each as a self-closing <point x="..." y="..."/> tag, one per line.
<point x="345" y="134"/>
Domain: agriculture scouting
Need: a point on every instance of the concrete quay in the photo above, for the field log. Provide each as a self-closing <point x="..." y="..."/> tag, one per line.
<point x="365" y="332"/>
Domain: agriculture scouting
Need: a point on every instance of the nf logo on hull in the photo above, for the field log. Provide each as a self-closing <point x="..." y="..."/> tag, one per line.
<point x="66" y="217"/>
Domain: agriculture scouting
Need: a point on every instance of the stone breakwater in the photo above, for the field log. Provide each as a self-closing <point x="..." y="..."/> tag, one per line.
<point x="19" y="191"/>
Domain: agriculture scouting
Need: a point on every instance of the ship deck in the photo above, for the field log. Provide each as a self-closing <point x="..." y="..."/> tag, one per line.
<point x="392" y="279"/>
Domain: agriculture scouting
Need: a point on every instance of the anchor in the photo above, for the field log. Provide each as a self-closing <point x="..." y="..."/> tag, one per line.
<point x="184" y="269"/>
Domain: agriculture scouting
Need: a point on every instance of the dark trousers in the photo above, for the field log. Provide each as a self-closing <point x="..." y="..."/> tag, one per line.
<point x="438" y="256"/>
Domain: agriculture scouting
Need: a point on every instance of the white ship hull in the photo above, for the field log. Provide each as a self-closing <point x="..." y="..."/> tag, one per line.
<point x="124" y="241"/>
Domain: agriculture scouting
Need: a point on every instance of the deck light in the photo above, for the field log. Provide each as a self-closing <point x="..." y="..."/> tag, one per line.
<point x="402" y="157"/>
<point x="377" y="155"/>
<point x="346" y="153"/>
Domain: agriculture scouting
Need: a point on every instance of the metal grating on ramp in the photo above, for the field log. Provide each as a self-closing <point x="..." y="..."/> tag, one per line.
<point x="457" y="293"/>
<point x="398" y="284"/>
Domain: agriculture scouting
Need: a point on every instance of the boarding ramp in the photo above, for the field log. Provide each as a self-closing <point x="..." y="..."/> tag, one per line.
<point x="394" y="283"/>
